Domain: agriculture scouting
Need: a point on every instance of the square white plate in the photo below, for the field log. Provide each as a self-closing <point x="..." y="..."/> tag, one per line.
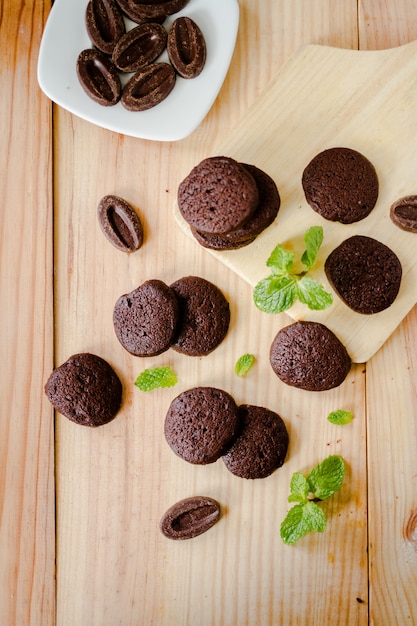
<point x="65" y="36"/>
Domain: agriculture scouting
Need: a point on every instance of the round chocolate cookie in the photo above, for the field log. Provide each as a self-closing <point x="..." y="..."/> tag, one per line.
<point x="218" y="195"/>
<point x="219" y="242"/>
<point x="204" y="316"/>
<point x="365" y="274"/>
<point x="146" y="320"/>
<point x="200" y="424"/>
<point x="261" y="445"/>
<point x="341" y="185"/>
<point x="309" y="356"/>
<point x="85" y="389"/>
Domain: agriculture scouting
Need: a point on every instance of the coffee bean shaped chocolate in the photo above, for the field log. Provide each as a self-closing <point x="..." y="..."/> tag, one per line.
<point x="98" y="77"/>
<point x="190" y="517"/>
<point x="129" y="9"/>
<point x="120" y="224"/>
<point x="139" y="47"/>
<point x="151" y="10"/>
<point x="148" y="87"/>
<point x="404" y="213"/>
<point x="105" y="24"/>
<point x="186" y="47"/>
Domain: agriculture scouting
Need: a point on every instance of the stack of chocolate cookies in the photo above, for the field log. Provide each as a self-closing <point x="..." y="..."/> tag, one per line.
<point x="226" y="203"/>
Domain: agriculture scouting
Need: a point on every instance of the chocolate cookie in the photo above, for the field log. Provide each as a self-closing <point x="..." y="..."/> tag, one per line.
<point x="341" y="185"/>
<point x="145" y="320"/>
<point x="261" y="445"/>
<point x="219" y="242"/>
<point x="365" y="274"/>
<point x="85" y="389"/>
<point x="218" y="195"/>
<point x="200" y="424"/>
<point x="309" y="356"/>
<point x="204" y="316"/>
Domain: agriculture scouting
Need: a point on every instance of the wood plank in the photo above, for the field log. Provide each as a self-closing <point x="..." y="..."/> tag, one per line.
<point x="113" y="484"/>
<point x="391" y="407"/>
<point x="27" y="547"/>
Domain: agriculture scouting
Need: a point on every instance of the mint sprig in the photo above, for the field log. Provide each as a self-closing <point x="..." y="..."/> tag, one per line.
<point x="243" y="364"/>
<point x="155" y="378"/>
<point x="321" y="483"/>
<point x="278" y="292"/>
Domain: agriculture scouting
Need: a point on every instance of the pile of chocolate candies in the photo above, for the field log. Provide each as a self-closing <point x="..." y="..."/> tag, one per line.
<point x="117" y="51"/>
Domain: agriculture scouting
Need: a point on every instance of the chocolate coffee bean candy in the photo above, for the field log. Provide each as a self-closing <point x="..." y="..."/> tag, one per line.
<point x="186" y="47"/>
<point x="154" y="9"/>
<point x="131" y="12"/>
<point x="148" y="87"/>
<point x="139" y="47"/>
<point x="190" y="517"/>
<point x="404" y="213"/>
<point x="120" y="224"/>
<point x="105" y="24"/>
<point x="98" y="77"/>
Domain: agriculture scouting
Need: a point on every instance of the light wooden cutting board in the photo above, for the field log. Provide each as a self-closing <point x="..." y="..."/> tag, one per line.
<point x="325" y="97"/>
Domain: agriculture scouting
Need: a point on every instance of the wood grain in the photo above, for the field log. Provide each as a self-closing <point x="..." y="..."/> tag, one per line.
<point x="27" y="546"/>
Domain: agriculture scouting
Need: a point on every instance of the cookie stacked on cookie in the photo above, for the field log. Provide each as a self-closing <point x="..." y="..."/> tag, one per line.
<point x="226" y="203"/>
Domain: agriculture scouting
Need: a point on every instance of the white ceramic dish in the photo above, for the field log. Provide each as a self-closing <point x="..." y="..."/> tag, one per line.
<point x="65" y="36"/>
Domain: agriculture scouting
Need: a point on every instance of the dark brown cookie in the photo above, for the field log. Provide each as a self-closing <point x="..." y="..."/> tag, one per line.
<point x="365" y="274"/>
<point x="98" y="77"/>
<point x="309" y="356"/>
<point x="341" y="185"/>
<point x="200" y="424"/>
<point x="105" y="24"/>
<point x="145" y="320"/>
<point x="186" y="47"/>
<point x="218" y="195"/>
<point x="139" y="47"/>
<point x="404" y="213"/>
<point x="204" y="316"/>
<point x="85" y="389"/>
<point x="220" y="242"/>
<point x="261" y="445"/>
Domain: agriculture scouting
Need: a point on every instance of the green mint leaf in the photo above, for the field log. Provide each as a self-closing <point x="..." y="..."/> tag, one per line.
<point x="313" y="240"/>
<point x="327" y="477"/>
<point x="243" y="364"/>
<point x="311" y="293"/>
<point x="299" y="488"/>
<point x="340" y="417"/>
<point x="280" y="260"/>
<point x="301" y="519"/>
<point x="275" y="294"/>
<point x="154" y="378"/>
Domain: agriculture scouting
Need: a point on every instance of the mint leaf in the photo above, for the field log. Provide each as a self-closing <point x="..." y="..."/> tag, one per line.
<point x="327" y="477"/>
<point x="154" y="378"/>
<point x="299" y="488"/>
<point x="243" y="364"/>
<point x="313" y="240"/>
<point x="340" y="417"/>
<point x="275" y="294"/>
<point x="311" y="293"/>
<point x="301" y="519"/>
<point x="278" y="292"/>
<point x="280" y="260"/>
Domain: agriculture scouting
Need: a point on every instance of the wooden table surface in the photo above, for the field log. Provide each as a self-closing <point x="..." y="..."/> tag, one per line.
<point x="80" y="508"/>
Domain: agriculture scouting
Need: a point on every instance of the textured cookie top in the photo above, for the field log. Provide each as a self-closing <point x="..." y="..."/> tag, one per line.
<point x="218" y="195"/>
<point x="200" y="424"/>
<point x="145" y="320"/>
<point x="365" y="273"/>
<point x="204" y="316"/>
<point x="85" y="389"/>
<point x="341" y="185"/>
<point x="261" y="445"/>
<point x="309" y="356"/>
